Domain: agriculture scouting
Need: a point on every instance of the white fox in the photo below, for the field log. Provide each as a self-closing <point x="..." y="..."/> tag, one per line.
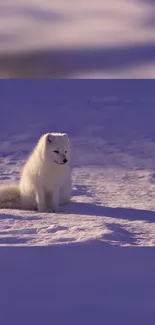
<point x="45" y="182"/>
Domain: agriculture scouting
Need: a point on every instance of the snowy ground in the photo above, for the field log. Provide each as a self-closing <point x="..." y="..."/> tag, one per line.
<point x="111" y="205"/>
<point x="94" y="265"/>
<point x="103" y="38"/>
<point x="113" y="156"/>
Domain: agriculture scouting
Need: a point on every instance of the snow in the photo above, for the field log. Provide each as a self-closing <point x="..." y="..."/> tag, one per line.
<point x="107" y="205"/>
<point x="93" y="262"/>
<point x="111" y="126"/>
<point x="77" y="39"/>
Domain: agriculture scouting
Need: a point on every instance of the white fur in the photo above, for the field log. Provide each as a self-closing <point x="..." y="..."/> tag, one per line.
<point x="45" y="181"/>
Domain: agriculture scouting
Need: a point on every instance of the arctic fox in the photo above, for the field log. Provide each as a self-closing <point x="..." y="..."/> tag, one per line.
<point x="46" y="177"/>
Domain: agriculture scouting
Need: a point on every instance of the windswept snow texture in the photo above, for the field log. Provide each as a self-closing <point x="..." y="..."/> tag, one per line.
<point x="111" y="126"/>
<point x="90" y="263"/>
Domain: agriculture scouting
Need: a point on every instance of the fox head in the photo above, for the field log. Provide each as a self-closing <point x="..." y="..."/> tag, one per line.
<point x="57" y="147"/>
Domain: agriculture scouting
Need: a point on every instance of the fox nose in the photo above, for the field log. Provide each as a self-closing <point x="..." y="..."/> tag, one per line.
<point x="65" y="160"/>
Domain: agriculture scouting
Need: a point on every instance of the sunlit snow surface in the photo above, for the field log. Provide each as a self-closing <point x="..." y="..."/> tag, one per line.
<point x="111" y="127"/>
<point x="90" y="263"/>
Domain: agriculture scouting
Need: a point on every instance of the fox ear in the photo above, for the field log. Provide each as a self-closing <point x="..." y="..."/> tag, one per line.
<point x="50" y="137"/>
<point x="66" y="136"/>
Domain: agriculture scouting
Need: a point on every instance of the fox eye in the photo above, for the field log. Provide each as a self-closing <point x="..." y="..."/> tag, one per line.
<point x="56" y="151"/>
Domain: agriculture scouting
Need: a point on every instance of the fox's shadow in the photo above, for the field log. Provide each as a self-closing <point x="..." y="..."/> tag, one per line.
<point x="118" y="213"/>
<point x="11" y="216"/>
